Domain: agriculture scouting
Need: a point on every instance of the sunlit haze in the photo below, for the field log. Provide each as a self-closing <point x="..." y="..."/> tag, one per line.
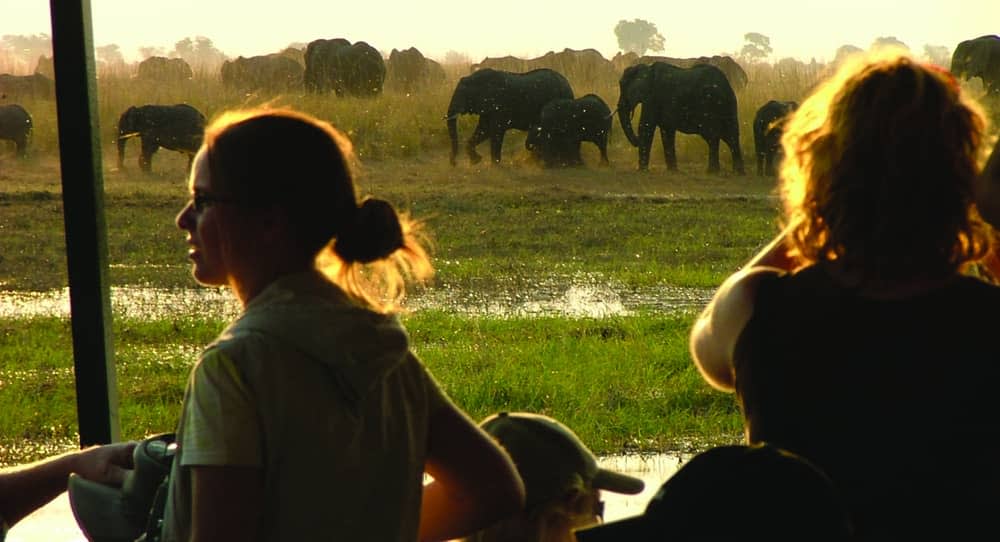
<point x="804" y="29"/>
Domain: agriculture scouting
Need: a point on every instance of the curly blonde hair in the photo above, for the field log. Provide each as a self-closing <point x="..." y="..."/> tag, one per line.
<point x="879" y="168"/>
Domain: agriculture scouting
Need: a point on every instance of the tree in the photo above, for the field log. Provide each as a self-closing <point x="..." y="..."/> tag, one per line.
<point x="200" y="53"/>
<point x="147" y="51"/>
<point x="756" y="48"/>
<point x="886" y="42"/>
<point x="638" y="36"/>
<point x="938" y="54"/>
<point x="110" y="54"/>
<point x="27" y="48"/>
<point x="846" y="51"/>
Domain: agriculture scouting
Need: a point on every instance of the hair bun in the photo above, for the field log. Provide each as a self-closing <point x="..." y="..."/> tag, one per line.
<point x="375" y="233"/>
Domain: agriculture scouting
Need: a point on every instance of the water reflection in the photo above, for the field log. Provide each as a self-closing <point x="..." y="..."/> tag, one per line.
<point x="578" y="296"/>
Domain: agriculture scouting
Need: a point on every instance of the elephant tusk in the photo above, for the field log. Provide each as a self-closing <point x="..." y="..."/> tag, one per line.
<point x="452" y="117"/>
<point x="612" y="114"/>
<point x="128" y="135"/>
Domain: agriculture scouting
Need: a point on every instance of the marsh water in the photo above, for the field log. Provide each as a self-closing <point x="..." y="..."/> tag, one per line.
<point x="574" y="296"/>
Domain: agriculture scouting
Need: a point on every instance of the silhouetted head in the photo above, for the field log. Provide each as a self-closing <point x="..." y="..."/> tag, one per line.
<point x="737" y="493"/>
<point x="562" y="480"/>
<point x="287" y="162"/>
<point x="878" y="171"/>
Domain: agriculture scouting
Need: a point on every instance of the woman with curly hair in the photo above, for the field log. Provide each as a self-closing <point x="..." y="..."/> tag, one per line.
<point x="856" y="339"/>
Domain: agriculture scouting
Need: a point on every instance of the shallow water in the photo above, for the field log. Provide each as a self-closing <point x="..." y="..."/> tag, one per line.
<point x="579" y="296"/>
<point x="55" y="523"/>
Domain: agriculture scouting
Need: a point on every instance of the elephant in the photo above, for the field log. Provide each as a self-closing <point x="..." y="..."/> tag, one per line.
<point x="270" y="73"/>
<point x="979" y="57"/>
<point x="45" y="67"/>
<point x="768" y="125"/>
<point x="735" y="73"/>
<point x="16" y="126"/>
<point x="695" y="100"/>
<point x="164" y="70"/>
<point x="26" y="87"/>
<point x="178" y="127"/>
<point x="564" y="124"/>
<point x="502" y="100"/>
<point x="504" y="63"/>
<point x="409" y="70"/>
<point x="348" y="69"/>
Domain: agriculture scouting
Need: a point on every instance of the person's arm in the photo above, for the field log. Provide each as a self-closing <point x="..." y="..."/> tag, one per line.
<point x="26" y="488"/>
<point x="715" y="332"/>
<point x="987" y="189"/>
<point x="475" y="482"/>
<point x="226" y="503"/>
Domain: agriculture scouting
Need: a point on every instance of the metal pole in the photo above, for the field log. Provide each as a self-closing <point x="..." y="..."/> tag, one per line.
<point x="86" y="230"/>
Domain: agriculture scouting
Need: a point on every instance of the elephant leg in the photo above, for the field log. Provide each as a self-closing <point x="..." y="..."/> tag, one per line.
<point x="733" y="142"/>
<point x="496" y="144"/>
<point x="646" y="131"/>
<point x="22" y="147"/>
<point x="479" y="135"/>
<point x="668" y="138"/>
<point x="602" y="144"/>
<point x="146" y="156"/>
<point x="713" y="154"/>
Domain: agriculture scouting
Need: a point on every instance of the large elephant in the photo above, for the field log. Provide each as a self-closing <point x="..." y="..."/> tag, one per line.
<point x="348" y="69"/>
<point x="564" y="124"/>
<point x="26" y="87"/>
<point x="503" y="100"/>
<point x="164" y="70"/>
<point x="177" y="127"/>
<point x="15" y="125"/>
<point x="409" y="70"/>
<point x="270" y="73"/>
<point x="768" y="126"/>
<point x="735" y="73"/>
<point x="695" y="100"/>
<point x="979" y="57"/>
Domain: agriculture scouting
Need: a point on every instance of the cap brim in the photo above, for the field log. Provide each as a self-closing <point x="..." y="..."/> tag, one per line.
<point x="99" y="511"/>
<point x="633" y="529"/>
<point x="617" y="482"/>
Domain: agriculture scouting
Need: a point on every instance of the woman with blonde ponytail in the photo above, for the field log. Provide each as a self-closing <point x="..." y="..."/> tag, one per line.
<point x="309" y="417"/>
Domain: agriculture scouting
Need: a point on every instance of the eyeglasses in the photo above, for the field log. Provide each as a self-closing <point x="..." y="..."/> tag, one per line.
<point x="201" y="201"/>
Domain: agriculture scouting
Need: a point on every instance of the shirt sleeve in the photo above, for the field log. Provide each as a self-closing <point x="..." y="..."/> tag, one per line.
<point x="221" y="427"/>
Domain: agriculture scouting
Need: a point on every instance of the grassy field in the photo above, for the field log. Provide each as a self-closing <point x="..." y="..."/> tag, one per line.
<point x="625" y="383"/>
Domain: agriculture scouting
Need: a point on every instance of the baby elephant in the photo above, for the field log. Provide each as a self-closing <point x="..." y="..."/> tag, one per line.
<point x="768" y="125"/>
<point x="564" y="124"/>
<point x="15" y="125"/>
<point x="177" y="127"/>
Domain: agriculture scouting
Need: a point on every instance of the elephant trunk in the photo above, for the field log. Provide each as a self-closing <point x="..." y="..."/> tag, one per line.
<point x="625" y="111"/>
<point x="123" y="130"/>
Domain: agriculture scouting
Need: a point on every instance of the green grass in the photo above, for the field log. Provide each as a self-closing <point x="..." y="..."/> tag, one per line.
<point x="624" y="383"/>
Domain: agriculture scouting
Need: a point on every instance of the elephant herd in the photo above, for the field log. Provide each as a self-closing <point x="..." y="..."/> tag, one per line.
<point x="325" y="65"/>
<point x="691" y="96"/>
<point x="696" y="100"/>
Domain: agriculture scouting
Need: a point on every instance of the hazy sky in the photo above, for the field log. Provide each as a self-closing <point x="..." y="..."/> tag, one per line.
<point x="525" y="28"/>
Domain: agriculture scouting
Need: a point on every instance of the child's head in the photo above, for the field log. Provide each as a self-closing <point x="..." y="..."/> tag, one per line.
<point x="561" y="477"/>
